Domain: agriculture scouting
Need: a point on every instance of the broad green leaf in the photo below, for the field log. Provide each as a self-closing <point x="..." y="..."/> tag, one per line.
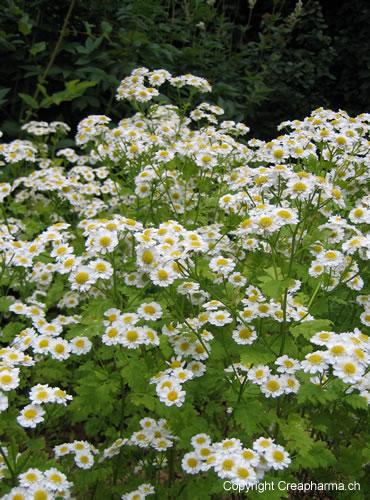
<point x="308" y="328"/>
<point x="73" y="89"/>
<point x="29" y="100"/>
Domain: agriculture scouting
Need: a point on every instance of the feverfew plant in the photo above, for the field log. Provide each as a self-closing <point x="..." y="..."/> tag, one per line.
<point x="182" y="306"/>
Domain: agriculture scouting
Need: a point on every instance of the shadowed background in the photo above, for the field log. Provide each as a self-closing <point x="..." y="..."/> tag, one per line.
<point x="267" y="60"/>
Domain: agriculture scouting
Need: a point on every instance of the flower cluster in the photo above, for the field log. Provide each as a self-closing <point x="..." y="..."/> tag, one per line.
<point x="141" y="492"/>
<point x="152" y="434"/>
<point x="40" y="394"/>
<point x="82" y="450"/>
<point x="347" y="354"/>
<point x="36" y="484"/>
<point x="230" y="460"/>
<point x="134" y="88"/>
<point x="124" y="328"/>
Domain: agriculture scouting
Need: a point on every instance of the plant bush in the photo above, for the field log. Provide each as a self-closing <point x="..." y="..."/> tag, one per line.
<point x="181" y="306"/>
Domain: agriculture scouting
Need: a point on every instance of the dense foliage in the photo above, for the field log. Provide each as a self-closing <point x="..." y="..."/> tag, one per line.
<point x="183" y="306"/>
<point x="267" y="60"/>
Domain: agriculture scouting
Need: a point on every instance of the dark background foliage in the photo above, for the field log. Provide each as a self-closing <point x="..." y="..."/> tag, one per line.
<point x="275" y="60"/>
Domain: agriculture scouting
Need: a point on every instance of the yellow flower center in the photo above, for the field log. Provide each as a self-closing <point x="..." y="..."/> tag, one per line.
<point x="31" y="476"/>
<point x="227" y="464"/>
<point x="105" y="241"/>
<point x="337" y="349"/>
<point x="192" y="462"/>
<point x="172" y="395"/>
<point x="42" y="395"/>
<point x="132" y="335"/>
<point x="113" y="332"/>
<point x="147" y="257"/>
<point x="265" y="222"/>
<point x="315" y="359"/>
<point x="245" y="333"/>
<point x="284" y="214"/>
<point x="278" y="456"/>
<point x="6" y="379"/>
<point x="101" y="267"/>
<point x="40" y="495"/>
<point x="349" y="369"/>
<point x="30" y="413"/>
<point x="299" y="187"/>
<point x="358" y="212"/>
<point x="82" y="277"/>
<point x="273" y="385"/>
<point x="243" y="473"/>
<point x="56" y="478"/>
<point x="59" y="348"/>
<point x="162" y="274"/>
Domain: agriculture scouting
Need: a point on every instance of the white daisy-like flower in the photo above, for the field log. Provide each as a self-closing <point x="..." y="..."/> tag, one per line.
<point x="163" y="276"/>
<point x="30" y="477"/>
<point x="285" y="364"/>
<point x="31" y="415"/>
<point x="60" y="349"/>
<point x="258" y="374"/>
<point x="277" y="457"/>
<point x="244" y="475"/>
<point x="56" y="480"/>
<point x="150" y="311"/>
<point x="132" y="338"/>
<point x="9" y="378"/>
<point x="80" y="345"/>
<point x="262" y="444"/>
<point x="173" y="395"/>
<point x="41" y="393"/>
<point x="315" y="362"/>
<point x="348" y="370"/>
<point x="84" y="459"/>
<point x="222" y="265"/>
<point x="273" y="387"/>
<point x="220" y="318"/>
<point x="244" y="334"/>
<point x="81" y="278"/>
<point x="191" y="463"/>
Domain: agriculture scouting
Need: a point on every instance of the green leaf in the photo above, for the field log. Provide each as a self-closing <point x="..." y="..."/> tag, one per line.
<point x="294" y="431"/>
<point x="256" y="354"/>
<point x="165" y="347"/>
<point x="37" y="48"/>
<point x="318" y="456"/>
<point x="251" y="416"/>
<point x="55" y="292"/>
<point x="5" y="303"/>
<point x="25" y="25"/>
<point x="144" y="400"/>
<point x="11" y="330"/>
<point x="73" y="89"/>
<point x="29" y="100"/>
<point x="308" y="328"/>
<point x="315" y="394"/>
<point x="274" y="285"/>
<point x="3" y="92"/>
<point x="356" y="401"/>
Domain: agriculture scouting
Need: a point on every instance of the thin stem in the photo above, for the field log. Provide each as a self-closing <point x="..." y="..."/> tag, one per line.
<point x="43" y="77"/>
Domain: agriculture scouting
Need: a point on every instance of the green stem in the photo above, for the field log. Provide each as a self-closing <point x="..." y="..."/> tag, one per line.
<point x="10" y="468"/>
<point x="43" y="77"/>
